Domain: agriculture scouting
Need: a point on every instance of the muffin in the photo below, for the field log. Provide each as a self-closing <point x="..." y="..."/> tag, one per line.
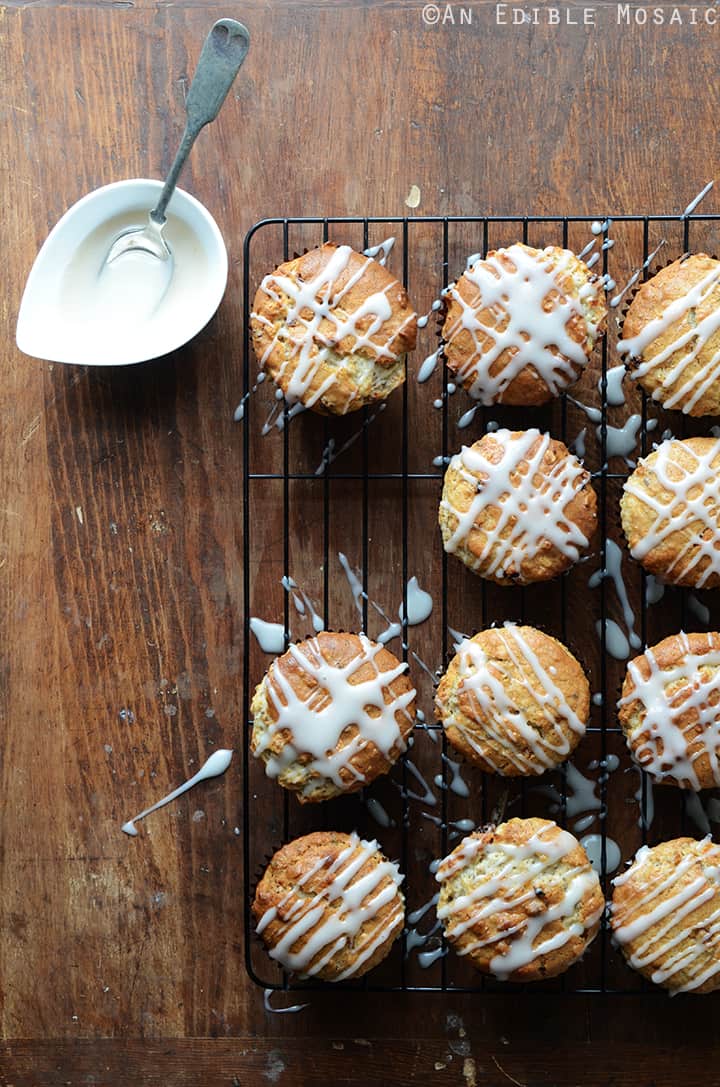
<point x="329" y="906"/>
<point x="671" y="336"/>
<point x="520" y="900"/>
<point x="521" y="324"/>
<point x="331" y="714"/>
<point x="332" y="328"/>
<point x="514" y="701"/>
<point x="517" y="507"/>
<point x="670" y="512"/>
<point x="670" y="710"/>
<point x="666" y="915"/>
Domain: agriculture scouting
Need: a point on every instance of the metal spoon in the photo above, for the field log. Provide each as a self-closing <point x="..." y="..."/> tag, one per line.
<point x="222" y="54"/>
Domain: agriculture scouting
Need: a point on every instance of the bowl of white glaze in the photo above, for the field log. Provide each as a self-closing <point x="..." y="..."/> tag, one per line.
<point x="76" y="310"/>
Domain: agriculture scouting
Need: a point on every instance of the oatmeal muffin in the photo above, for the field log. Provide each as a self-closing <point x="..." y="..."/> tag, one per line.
<point x="331" y="714"/>
<point x="670" y="710"/>
<point x="514" y="701"/>
<point x="670" y="512"/>
<point x="517" y="507"/>
<point x="671" y="336"/>
<point x="521" y="324"/>
<point x="332" y="329"/>
<point x="329" y="906"/>
<point x="520" y="900"/>
<point x="666" y="915"/>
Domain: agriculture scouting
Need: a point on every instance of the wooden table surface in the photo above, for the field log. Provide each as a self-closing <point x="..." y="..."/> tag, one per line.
<point x="121" y="961"/>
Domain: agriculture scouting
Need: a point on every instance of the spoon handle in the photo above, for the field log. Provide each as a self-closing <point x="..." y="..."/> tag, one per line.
<point x="222" y="54"/>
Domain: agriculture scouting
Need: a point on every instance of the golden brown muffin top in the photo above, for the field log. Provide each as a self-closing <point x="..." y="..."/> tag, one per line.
<point x="520" y="900"/>
<point x="320" y="319"/>
<point x="671" y="335"/>
<point x="329" y="906"/>
<point x="521" y="323"/>
<point x="514" y="700"/>
<point x="517" y="506"/>
<point x="671" y="512"/>
<point x="670" y="710"/>
<point x="666" y="914"/>
<point x="336" y="709"/>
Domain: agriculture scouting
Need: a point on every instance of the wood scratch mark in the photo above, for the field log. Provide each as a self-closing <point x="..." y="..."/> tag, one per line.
<point x="32" y="429"/>
<point x="507" y="1075"/>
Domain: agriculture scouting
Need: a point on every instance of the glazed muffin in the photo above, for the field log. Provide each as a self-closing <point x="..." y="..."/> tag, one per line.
<point x="521" y="324"/>
<point x="332" y="328"/>
<point x="329" y="906"/>
<point x="670" y="710"/>
<point x="666" y="915"/>
<point x="670" y="512"/>
<point x="671" y="336"/>
<point x="514" y="701"/>
<point x="517" y="507"/>
<point x="331" y="714"/>
<point x="521" y="900"/>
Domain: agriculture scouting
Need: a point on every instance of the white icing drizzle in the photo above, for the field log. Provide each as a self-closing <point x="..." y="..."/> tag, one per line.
<point x="613" y="570"/>
<point x="417" y="915"/>
<point x="664" y="913"/>
<point x="302" y="603"/>
<point x="331" y="452"/>
<point x="419" y="604"/>
<point x="692" y="508"/>
<point x="380" y="252"/>
<point x="267" y="994"/>
<point x="614" y="394"/>
<point x="467" y="417"/>
<point x="239" y="413"/>
<point x="621" y="441"/>
<point x="427" y="368"/>
<point x="577" y="446"/>
<point x="377" y="811"/>
<point x="673" y="700"/>
<point x="333" y="917"/>
<point x="217" y="764"/>
<point x="616" y="643"/>
<point x="484" y="681"/>
<point x="592" y="844"/>
<point x="515" y="873"/>
<point x="270" y="636"/>
<point x="593" y="414"/>
<point x="427" y="796"/>
<point x="694" y="203"/>
<point x="690" y="343"/>
<point x="334" y="704"/>
<point x="513" y="287"/>
<point x="427" y="958"/>
<point x="533" y="514"/>
<point x="457" y="784"/>
<point x="654" y="590"/>
<point x="309" y="347"/>
<point x="354" y="582"/>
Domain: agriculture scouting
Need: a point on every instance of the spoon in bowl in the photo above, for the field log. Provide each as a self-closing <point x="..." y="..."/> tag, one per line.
<point x="222" y="54"/>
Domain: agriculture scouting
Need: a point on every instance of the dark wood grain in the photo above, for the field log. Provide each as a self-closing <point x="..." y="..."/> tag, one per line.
<point x="121" y="508"/>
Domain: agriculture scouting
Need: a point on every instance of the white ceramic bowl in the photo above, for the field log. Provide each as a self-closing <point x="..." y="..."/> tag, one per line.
<point x="55" y="323"/>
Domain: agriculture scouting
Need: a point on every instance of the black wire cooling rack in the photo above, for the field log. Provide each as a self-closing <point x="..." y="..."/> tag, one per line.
<point x="305" y="499"/>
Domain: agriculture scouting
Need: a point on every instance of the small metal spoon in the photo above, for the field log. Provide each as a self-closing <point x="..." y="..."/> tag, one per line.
<point x="222" y="54"/>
